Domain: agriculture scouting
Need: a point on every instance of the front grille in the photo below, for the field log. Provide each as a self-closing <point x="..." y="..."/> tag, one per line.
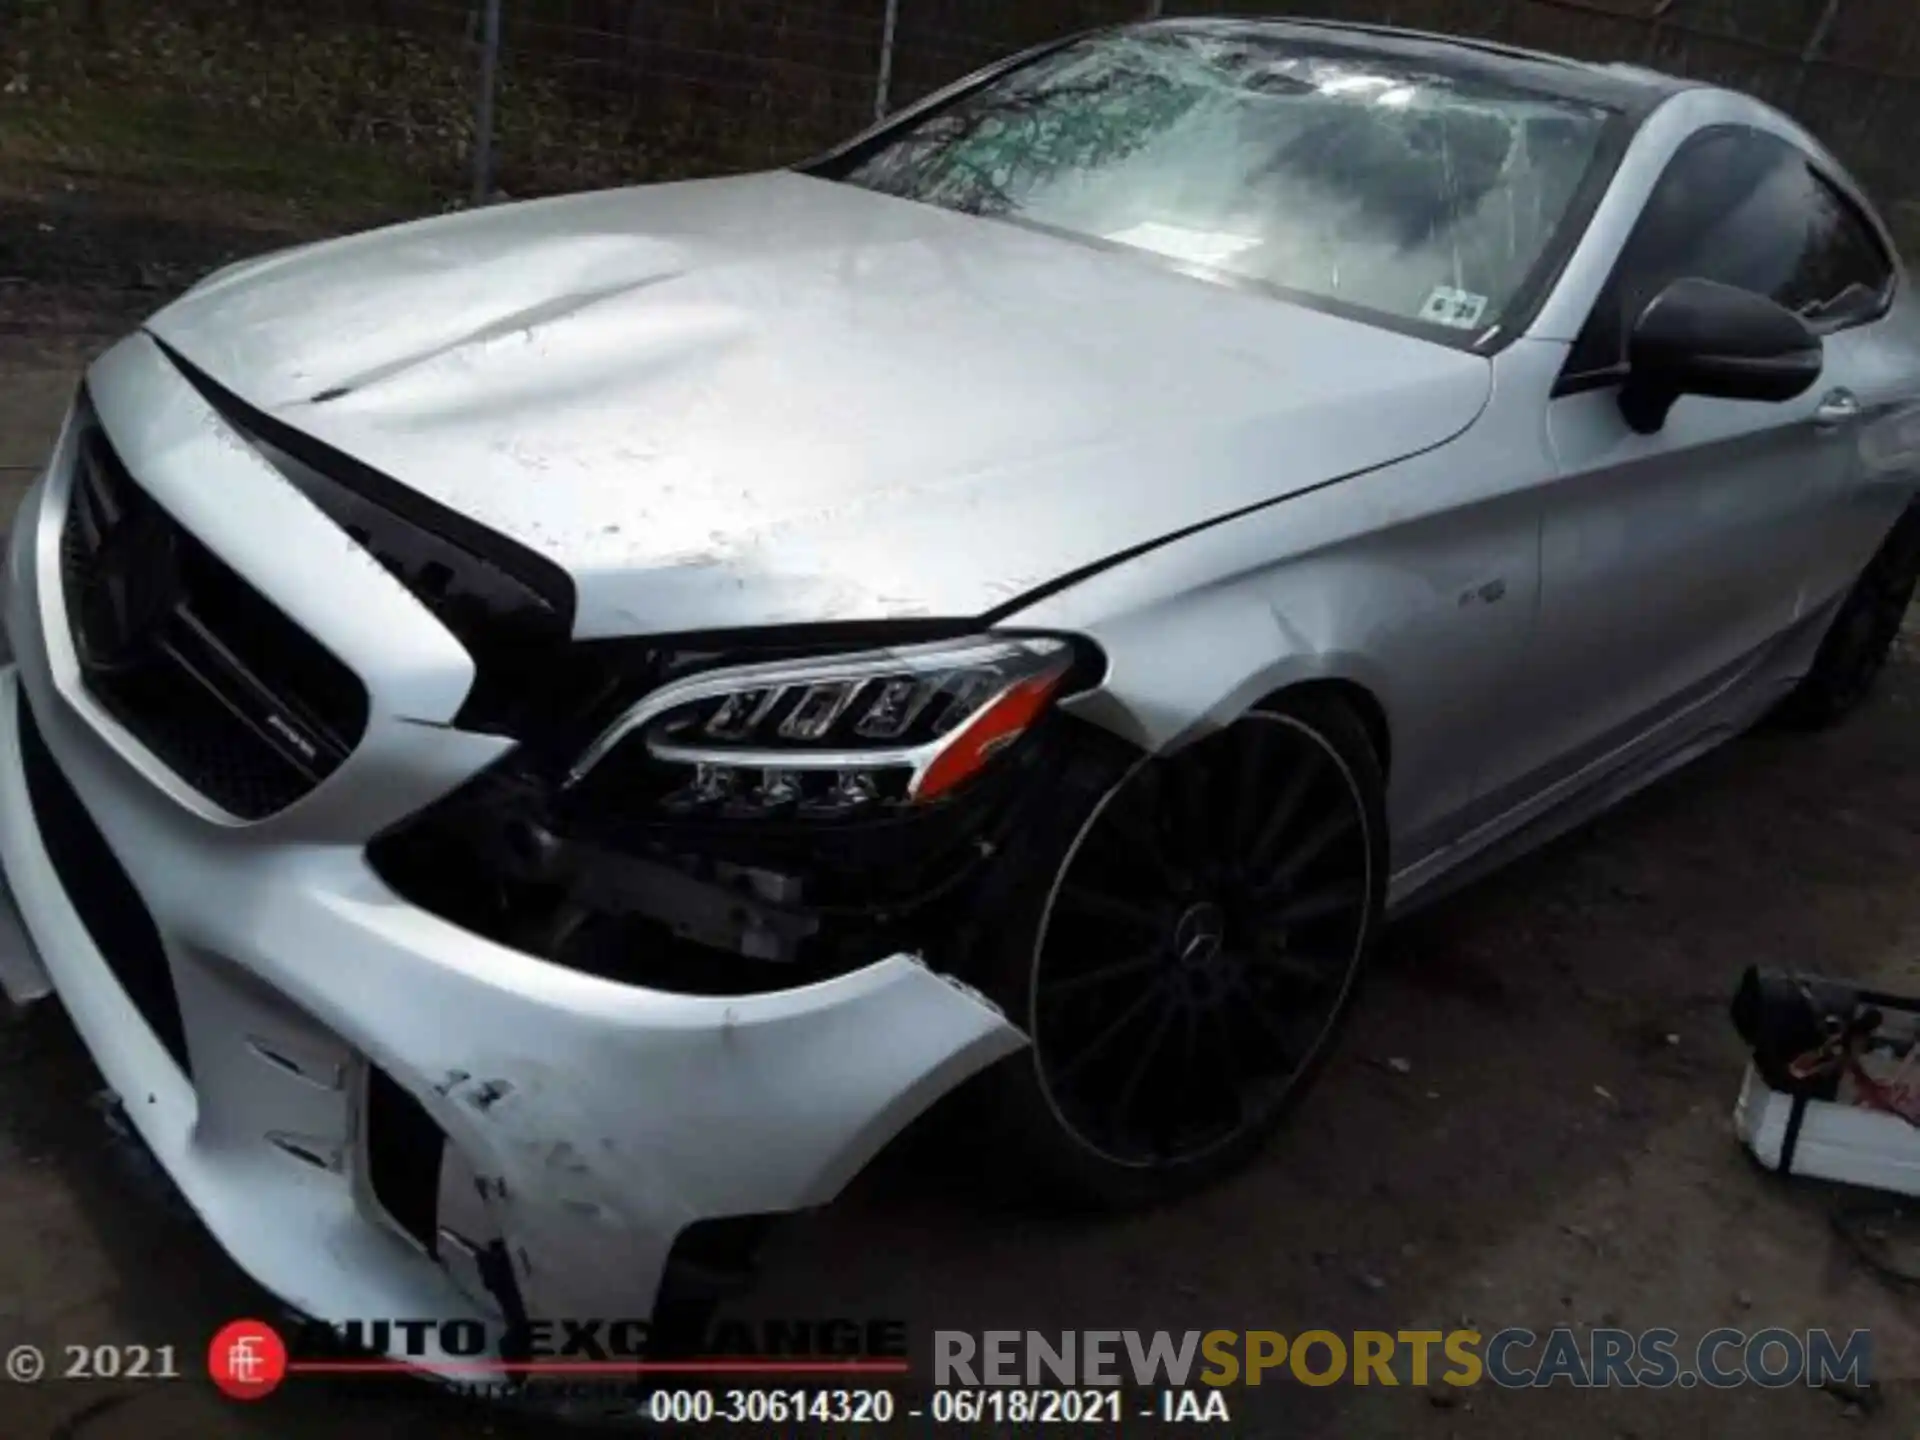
<point x="510" y="607"/>
<point x="226" y="691"/>
<point x="100" y="892"/>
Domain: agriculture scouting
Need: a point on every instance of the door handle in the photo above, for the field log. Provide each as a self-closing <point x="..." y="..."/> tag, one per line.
<point x="1837" y="408"/>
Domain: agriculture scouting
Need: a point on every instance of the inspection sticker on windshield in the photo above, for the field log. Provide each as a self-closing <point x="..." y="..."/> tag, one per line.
<point x="1461" y="309"/>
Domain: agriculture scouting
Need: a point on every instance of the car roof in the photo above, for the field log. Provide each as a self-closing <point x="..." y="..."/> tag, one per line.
<point x="1628" y="88"/>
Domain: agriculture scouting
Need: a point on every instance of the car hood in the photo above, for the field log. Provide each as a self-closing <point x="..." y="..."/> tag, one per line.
<point x="777" y="399"/>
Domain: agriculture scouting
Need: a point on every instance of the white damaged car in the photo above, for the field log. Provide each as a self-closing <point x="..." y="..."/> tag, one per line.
<point x="540" y="738"/>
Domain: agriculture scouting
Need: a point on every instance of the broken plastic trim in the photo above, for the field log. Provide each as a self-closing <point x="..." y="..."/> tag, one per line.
<point x="601" y="883"/>
<point x="403" y="1152"/>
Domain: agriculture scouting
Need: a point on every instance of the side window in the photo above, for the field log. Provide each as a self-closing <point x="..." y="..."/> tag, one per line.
<point x="1744" y="208"/>
<point x="1844" y="265"/>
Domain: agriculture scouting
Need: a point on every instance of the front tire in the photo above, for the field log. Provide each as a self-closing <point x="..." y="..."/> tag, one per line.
<point x="1861" y="637"/>
<point x="1188" y="942"/>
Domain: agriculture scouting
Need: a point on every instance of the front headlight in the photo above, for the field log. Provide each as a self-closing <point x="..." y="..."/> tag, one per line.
<point x="835" y="736"/>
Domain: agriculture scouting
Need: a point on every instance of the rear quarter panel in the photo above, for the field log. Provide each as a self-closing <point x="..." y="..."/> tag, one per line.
<point x="1887" y="361"/>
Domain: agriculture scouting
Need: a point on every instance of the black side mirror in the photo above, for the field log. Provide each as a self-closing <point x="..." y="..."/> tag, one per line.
<point x="1699" y="337"/>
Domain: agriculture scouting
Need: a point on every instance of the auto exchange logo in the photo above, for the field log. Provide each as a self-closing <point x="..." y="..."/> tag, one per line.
<point x="249" y="1359"/>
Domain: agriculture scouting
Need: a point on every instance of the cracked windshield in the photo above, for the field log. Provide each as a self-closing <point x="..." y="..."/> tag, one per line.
<point x="1370" y="181"/>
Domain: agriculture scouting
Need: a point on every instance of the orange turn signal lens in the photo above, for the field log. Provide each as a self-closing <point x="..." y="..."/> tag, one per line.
<point x="990" y="730"/>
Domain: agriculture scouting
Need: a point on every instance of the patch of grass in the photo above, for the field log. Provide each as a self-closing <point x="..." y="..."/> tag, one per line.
<point x="332" y="114"/>
<point x="345" y="120"/>
<point x="139" y="142"/>
<point x="315" y="116"/>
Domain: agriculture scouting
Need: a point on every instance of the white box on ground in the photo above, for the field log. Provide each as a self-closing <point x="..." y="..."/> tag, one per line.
<point x="1835" y="1141"/>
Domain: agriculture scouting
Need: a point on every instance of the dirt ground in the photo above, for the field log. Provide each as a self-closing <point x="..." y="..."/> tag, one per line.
<point x="1527" y="1126"/>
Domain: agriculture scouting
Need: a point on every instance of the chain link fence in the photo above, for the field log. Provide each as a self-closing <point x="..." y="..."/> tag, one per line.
<point x="399" y="106"/>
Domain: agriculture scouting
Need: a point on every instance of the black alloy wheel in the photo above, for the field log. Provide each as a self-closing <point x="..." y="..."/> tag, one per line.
<point x="1197" y="945"/>
<point x="1862" y="634"/>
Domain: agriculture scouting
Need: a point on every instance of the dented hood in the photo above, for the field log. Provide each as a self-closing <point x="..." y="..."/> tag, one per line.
<point x="777" y="399"/>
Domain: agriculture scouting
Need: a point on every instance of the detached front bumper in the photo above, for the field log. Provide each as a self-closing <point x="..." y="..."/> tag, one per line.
<point x="581" y="1125"/>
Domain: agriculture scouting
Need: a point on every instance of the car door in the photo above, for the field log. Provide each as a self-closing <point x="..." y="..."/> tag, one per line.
<point x="1671" y="561"/>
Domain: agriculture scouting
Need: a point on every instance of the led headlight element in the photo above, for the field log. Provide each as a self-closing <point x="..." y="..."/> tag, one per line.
<point x="831" y="736"/>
